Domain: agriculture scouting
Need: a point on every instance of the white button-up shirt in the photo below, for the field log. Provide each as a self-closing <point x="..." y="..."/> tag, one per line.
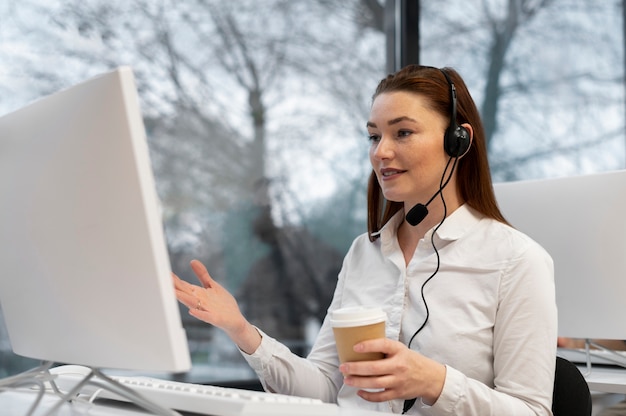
<point x="493" y="319"/>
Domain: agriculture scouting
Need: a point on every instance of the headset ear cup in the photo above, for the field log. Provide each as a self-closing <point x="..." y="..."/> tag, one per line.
<point x="464" y="140"/>
<point x="456" y="141"/>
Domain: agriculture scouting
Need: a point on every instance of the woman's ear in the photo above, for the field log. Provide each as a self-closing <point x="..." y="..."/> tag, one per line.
<point x="470" y="131"/>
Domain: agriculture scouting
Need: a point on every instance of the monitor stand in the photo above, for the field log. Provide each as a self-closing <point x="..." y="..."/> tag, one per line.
<point x="69" y="388"/>
<point x="618" y="360"/>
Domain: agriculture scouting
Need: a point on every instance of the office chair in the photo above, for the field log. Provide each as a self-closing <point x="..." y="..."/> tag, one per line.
<point x="571" y="396"/>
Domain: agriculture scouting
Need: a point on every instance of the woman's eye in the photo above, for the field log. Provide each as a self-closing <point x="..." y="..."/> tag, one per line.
<point x="373" y="137"/>
<point x="404" y="133"/>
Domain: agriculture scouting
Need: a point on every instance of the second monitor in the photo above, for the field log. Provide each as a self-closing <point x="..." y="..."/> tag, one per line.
<point x="580" y="221"/>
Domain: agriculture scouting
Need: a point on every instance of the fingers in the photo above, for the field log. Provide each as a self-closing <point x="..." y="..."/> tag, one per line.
<point x="200" y="314"/>
<point x="179" y="283"/>
<point x="402" y="374"/>
<point x="379" y="380"/>
<point x="186" y="293"/>
<point x="384" y="345"/>
<point x="186" y="298"/>
<point x="379" y="344"/>
<point x="379" y="388"/>
<point x="378" y="394"/>
<point x="202" y="273"/>
<point x="182" y="286"/>
<point x="371" y="368"/>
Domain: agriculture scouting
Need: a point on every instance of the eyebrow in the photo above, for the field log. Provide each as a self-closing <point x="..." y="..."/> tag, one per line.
<point x="393" y="121"/>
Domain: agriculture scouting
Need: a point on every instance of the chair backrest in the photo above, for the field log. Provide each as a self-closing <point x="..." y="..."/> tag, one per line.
<point x="571" y="396"/>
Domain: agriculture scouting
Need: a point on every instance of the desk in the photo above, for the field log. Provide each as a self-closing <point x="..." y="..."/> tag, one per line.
<point x="17" y="403"/>
<point x="605" y="379"/>
<point x="602" y="376"/>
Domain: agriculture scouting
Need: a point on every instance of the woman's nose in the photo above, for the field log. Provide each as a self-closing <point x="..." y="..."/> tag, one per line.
<point x="383" y="149"/>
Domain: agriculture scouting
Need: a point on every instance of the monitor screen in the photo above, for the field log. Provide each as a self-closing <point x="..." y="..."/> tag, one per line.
<point x="580" y="221"/>
<point x="85" y="275"/>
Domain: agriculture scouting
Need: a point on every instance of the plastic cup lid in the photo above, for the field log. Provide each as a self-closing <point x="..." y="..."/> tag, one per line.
<point x="357" y="316"/>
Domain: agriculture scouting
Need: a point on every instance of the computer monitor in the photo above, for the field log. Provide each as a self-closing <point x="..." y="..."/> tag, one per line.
<point x="84" y="269"/>
<point x="581" y="222"/>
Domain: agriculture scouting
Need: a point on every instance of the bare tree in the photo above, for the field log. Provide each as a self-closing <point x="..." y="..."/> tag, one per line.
<point x="503" y="30"/>
<point x="214" y="76"/>
<point x="539" y="94"/>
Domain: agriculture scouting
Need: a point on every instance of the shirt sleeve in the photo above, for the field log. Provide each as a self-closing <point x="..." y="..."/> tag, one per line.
<point x="524" y="347"/>
<point x="281" y="371"/>
<point x="317" y="376"/>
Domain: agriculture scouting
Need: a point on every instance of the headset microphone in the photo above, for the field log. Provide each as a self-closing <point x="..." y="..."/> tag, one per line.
<point x="420" y="211"/>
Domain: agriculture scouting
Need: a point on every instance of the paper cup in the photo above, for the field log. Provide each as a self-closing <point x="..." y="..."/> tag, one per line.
<point x="353" y="325"/>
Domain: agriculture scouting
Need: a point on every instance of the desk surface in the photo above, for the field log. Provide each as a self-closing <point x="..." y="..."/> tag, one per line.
<point x="605" y="379"/>
<point x="600" y="379"/>
<point x="17" y="403"/>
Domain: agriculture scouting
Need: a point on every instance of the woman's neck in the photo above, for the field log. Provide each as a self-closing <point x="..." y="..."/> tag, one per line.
<point x="410" y="235"/>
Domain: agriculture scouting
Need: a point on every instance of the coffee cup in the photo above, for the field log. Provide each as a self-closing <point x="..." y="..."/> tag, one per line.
<point x="352" y="325"/>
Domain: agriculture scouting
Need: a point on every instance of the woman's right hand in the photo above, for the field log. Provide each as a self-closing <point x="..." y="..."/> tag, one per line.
<point x="213" y="304"/>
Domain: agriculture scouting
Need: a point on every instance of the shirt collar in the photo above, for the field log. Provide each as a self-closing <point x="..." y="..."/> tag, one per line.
<point x="458" y="223"/>
<point x="454" y="227"/>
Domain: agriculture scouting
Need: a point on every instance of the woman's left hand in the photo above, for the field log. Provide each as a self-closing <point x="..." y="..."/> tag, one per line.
<point x="402" y="374"/>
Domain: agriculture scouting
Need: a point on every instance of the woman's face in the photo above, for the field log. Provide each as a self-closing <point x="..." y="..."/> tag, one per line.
<point x="406" y="152"/>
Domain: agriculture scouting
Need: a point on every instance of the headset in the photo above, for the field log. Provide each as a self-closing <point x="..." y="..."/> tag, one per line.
<point x="456" y="139"/>
<point x="456" y="142"/>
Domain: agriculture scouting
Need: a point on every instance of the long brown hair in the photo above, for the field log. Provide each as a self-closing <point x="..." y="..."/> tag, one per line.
<point x="473" y="174"/>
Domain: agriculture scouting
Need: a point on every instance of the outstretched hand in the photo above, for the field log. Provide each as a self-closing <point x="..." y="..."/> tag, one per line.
<point x="402" y="374"/>
<point x="213" y="304"/>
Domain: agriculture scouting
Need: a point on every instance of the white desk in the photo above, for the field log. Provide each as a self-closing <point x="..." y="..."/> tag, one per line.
<point x="603" y="376"/>
<point x="17" y="403"/>
<point x="605" y="379"/>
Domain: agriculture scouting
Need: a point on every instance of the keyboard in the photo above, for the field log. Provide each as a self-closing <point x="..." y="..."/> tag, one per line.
<point x="204" y="399"/>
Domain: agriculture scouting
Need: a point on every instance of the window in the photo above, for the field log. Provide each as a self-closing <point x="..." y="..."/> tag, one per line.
<point x="255" y="112"/>
<point x="547" y="76"/>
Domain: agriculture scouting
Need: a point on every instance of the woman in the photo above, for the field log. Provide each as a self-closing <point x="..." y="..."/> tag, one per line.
<point x="471" y="326"/>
